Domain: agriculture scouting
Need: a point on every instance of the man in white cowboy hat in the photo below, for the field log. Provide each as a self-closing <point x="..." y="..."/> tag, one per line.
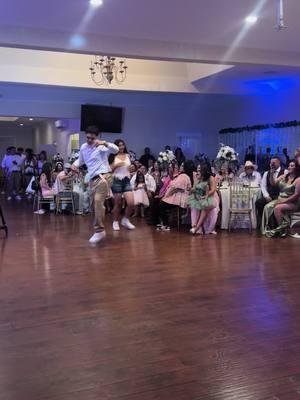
<point x="251" y="176"/>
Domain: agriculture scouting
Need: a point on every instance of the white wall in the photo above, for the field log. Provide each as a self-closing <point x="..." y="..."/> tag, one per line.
<point x="14" y="135"/>
<point x="152" y="120"/>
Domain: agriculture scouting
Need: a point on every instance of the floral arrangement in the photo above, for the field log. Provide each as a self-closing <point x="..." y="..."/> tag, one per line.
<point x="227" y="155"/>
<point x="166" y="157"/>
<point x="132" y="155"/>
<point x="74" y="156"/>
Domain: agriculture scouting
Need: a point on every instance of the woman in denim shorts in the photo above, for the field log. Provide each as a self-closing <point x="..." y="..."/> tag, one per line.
<point x="121" y="187"/>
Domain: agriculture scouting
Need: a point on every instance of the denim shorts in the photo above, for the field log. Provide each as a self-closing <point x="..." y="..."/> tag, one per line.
<point x="121" y="185"/>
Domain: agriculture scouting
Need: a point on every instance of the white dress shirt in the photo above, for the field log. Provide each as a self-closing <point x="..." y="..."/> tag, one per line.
<point x="149" y="181"/>
<point x="254" y="179"/>
<point x="96" y="158"/>
<point x="264" y="185"/>
<point x="12" y="163"/>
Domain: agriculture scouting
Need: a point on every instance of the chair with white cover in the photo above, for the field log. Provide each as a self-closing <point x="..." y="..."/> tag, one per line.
<point x="240" y="202"/>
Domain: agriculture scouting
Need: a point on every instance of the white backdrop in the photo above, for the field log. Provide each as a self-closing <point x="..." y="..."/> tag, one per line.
<point x="272" y="137"/>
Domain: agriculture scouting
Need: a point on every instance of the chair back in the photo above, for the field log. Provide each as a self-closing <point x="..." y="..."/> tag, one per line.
<point x="240" y="197"/>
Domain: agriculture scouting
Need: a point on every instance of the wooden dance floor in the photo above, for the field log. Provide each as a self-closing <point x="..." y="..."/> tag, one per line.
<point x="146" y="315"/>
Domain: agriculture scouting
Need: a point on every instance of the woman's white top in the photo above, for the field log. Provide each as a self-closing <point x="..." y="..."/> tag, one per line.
<point x="122" y="172"/>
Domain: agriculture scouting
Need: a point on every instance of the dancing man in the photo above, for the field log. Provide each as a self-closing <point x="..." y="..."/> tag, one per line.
<point x="94" y="154"/>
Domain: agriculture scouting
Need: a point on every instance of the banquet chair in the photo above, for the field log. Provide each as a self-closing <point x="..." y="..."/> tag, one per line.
<point x="65" y="197"/>
<point x="39" y="200"/>
<point x="240" y="203"/>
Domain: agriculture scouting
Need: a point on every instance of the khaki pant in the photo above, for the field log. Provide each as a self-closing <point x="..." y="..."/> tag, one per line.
<point x="100" y="189"/>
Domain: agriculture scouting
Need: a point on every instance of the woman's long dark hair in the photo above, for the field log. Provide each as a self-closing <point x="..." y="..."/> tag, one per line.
<point x="189" y="169"/>
<point x="297" y="170"/>
<point x="206" y="171"/>
<point x="44" y="153"/>
<point x="29" y="154"/>
<point x="117" y="142"/>
<point x="138" y="174"/>
<point x="47" y="170"/>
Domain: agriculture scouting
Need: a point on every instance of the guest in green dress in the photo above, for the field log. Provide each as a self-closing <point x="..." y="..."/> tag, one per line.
<point x="287" y="202"/>
<point x="202" y="197"/>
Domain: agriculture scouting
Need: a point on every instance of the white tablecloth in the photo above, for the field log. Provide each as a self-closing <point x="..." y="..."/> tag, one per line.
<point x="240" y="222"/>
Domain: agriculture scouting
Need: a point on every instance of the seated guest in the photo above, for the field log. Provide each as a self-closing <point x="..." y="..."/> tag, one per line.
<point x="132" y="170"/>
<point x="59" y="167"/>
<point x="297" y="235"/>
<point x="140" y="194"/>
<point x="64" y="184"/>
<point x="63" y="178"/>
<point x="224" y="175"/>
<point x="137" y="164"/>
<point x="150" y="165"/>
<point x="177" y="194"/>
<point x="149" y="180"/>
<point x="144" y="160"/>
<point x="45" y="183"/>
<point x="269" y="191"/>
<point x="250" y="176"/>
<point x="201" y="200"/>
<point x="288" y="201"/>
<point x="42" y="159"/>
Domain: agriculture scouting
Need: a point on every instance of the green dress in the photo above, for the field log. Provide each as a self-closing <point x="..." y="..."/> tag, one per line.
<point x="286" y="190"/>
<point x="196" y="201"/>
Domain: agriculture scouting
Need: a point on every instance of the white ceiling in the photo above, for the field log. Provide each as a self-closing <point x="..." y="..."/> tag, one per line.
<point x="194" y="29"/>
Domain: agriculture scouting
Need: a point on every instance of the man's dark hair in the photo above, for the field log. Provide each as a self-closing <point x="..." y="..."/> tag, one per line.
<point x="276" y="158"/>
<point x="92" y="129"/>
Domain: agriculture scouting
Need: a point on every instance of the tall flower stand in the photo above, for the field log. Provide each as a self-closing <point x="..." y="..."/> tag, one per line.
<point x="3" y="226"/>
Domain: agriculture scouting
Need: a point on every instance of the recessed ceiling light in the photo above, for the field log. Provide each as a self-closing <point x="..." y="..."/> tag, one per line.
<point x="30" y="119"/>
<point x="96" y="3"/>
<point x="21" y="124"/>
<point x="251" y="19"/>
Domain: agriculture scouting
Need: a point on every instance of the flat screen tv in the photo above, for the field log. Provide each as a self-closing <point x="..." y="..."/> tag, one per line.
<point x="107" y="119"/>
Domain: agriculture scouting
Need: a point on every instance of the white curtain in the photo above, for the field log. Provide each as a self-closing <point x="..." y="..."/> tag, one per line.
<point x="275" y="138"/>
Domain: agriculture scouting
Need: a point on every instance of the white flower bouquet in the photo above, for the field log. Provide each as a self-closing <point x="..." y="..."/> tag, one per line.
<point x="165" y="158"/>
<point x="74" y="156"/>
<point x="228" y="156"/>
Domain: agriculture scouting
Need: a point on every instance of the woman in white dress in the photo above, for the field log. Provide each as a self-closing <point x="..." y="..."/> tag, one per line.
<point x="121" y="187"/>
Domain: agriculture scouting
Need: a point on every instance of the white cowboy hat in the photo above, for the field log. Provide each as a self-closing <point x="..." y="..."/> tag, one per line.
<point x="249" y="164"/>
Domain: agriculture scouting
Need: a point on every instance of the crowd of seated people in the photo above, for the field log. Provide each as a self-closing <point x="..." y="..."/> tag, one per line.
<point x="141" y="188"/>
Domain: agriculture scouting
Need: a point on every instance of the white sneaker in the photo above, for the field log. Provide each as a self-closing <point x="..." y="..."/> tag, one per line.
<point x="116" y="226"/>
<point x="18" y="197"/>
<point x="9" y="198"/>
<point x="296" y="236"/>
<point x="127" y="224"/>
<point x="97" y="237"/>
<point x="40" y="212"/>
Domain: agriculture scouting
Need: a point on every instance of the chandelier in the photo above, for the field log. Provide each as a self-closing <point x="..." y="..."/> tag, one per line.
<point x="106" y="69"/>
<point x="281" y="21"/>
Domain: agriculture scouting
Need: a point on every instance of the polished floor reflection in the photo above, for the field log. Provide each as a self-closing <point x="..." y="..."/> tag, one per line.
<point x="145" y="315"/>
